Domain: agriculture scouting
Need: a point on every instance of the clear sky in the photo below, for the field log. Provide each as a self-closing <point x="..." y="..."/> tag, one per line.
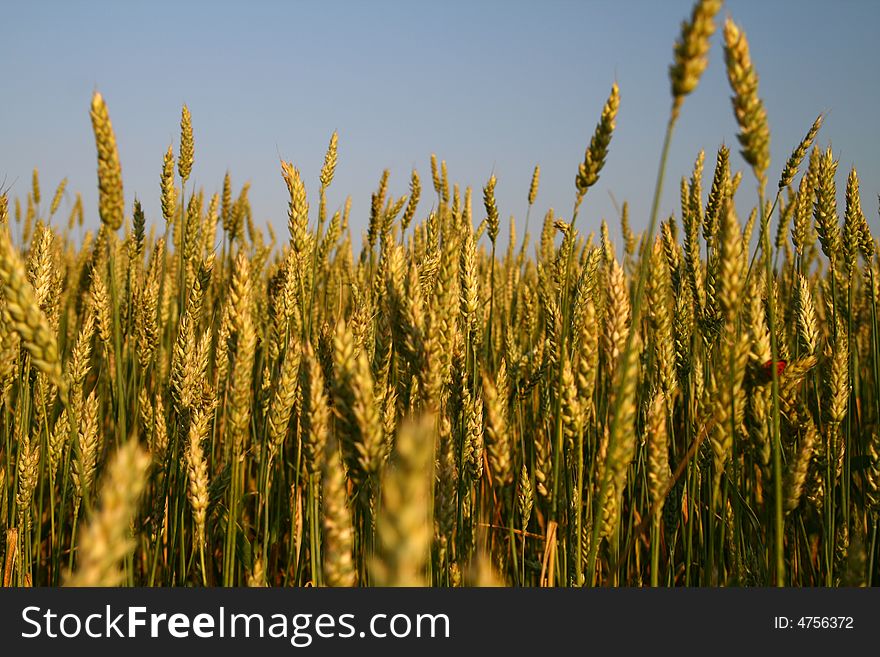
<point x="489" y="86"/>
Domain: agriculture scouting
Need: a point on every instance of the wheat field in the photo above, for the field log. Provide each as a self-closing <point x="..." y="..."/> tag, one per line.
<point x="198" y="402"/>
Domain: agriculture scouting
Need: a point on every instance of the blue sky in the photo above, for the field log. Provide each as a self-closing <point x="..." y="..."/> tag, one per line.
<point x="489" y="86"/>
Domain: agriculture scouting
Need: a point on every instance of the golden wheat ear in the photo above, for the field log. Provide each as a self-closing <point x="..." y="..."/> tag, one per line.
<point x="110" y="198"/>
<point x="105" y="541"/>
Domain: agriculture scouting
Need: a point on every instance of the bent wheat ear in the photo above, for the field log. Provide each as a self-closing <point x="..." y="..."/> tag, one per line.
<point x="329" y="167"/>
<point x="690" y="51"/>
<point x="754" y="135"/>
<point x="594" y="158"/>
<point x="797" y="155"/>
<point x="415" y="191"/>
<point x="28" y="320"/>
<point x="56" y="199"/>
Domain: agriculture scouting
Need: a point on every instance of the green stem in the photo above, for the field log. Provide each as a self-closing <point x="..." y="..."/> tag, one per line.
<point x="779" y="517"/>
<point x="627" y="354"/>
<point x="121" y="433"/>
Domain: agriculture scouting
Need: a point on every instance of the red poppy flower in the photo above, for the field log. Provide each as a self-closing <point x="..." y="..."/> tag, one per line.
<point x="767" y="371"/>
